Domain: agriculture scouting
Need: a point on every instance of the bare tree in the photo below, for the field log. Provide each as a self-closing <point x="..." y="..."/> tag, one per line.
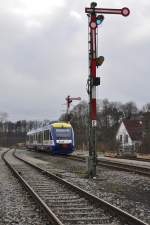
<point x="3" y="116"/>
<point x="129" y="109"/>
<point x="146" y="107"/>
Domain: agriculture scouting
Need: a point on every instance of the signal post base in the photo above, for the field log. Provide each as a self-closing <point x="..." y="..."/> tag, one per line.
<point x="91" y="161"/>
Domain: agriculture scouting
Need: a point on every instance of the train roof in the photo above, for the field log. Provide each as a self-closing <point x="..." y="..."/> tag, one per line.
<point x="55" y="125"/>
<point x="61" y="125"/>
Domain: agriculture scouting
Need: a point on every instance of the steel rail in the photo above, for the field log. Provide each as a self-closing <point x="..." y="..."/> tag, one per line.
<point x="126" y="167"/>
<point x="138" y="158"/>
<point x="123" y="216"/>
<point x="141" y="159"/>
<point x="117" y="165"/>
<point x="51" y="216"/>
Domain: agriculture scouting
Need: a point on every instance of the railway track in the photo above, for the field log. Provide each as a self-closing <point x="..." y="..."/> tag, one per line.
<point x="140" y="159"/>
<point x="126" y="167"/>
<point x="16" y="204"/>
<point x="64" y="203"/>
<point x="117" y="165"/>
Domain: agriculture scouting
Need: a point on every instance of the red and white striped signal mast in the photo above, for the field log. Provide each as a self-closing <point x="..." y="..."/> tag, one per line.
<point x="96" y="17"/>
<point x="69" y="100"/>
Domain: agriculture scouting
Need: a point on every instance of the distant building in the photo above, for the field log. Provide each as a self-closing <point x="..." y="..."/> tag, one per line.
<point x="130" y="135"/>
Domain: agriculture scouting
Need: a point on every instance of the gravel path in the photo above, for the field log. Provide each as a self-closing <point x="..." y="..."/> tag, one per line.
<point x="16" y="206"/>
<point x="129" y="191"/>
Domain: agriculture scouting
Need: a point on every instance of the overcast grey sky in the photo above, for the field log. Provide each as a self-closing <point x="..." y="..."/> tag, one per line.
<point x="43" y="55"/>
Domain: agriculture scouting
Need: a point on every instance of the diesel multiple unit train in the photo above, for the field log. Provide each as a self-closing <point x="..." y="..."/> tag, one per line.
<point x="57" y="138"/>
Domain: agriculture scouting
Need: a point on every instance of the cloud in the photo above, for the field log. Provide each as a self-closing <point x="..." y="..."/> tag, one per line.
<point x="44" y="55"/>
<point x="75" y="15"/>
<point x="29" y="8"/>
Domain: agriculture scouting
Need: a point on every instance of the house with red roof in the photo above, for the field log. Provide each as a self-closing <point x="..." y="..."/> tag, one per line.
<point x="130" y="135"/>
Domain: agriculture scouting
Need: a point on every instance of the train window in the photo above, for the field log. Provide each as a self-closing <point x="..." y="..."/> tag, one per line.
<point x="40" y="137"/>
<point x="34" y="137"/>
<point x="37" y="137"/>
<point x="63" y="133"/>
<point x="50" y="135"/>
<point x="31" y="139"/>
<point x="46" y="135"/>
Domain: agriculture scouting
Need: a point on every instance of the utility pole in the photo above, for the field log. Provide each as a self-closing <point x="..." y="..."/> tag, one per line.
<point x="69" y="100"/>
<point x="93" y="81"/>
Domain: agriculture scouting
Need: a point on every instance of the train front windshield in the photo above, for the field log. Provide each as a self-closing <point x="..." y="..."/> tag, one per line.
<point x="63" y="133"/>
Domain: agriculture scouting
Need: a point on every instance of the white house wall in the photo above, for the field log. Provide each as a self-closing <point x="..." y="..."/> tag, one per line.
<point x="122" y="131"/>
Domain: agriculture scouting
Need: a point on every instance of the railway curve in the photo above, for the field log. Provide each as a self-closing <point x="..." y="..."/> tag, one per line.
<point x="67" y="203"/>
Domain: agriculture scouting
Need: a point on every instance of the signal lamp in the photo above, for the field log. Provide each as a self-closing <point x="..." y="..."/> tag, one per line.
<point x="99" y="19"/>
<point x="99" y="60"/>
<point x="96" y="81"/>
<point x="69" y="100"/>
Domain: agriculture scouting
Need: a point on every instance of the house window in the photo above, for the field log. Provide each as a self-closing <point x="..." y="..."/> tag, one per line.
<point x="126" y="139"/>
<point x="120" y="138"/>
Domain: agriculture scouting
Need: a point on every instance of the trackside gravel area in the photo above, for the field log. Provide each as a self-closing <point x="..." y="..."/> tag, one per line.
<point x="126" y="190"/>
<point x="16" y="206"/>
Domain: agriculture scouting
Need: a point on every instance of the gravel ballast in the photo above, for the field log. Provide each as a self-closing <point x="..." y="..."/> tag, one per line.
<point x="126" y="190"/>
<point x="16" y="206"/>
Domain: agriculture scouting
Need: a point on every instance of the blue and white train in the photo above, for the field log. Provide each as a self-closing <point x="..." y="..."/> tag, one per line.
<point x="57" y="138"/>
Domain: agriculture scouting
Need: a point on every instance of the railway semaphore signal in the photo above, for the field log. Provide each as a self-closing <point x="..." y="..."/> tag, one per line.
<point x="69" y="100"/>
<point x="96" y="18"/>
